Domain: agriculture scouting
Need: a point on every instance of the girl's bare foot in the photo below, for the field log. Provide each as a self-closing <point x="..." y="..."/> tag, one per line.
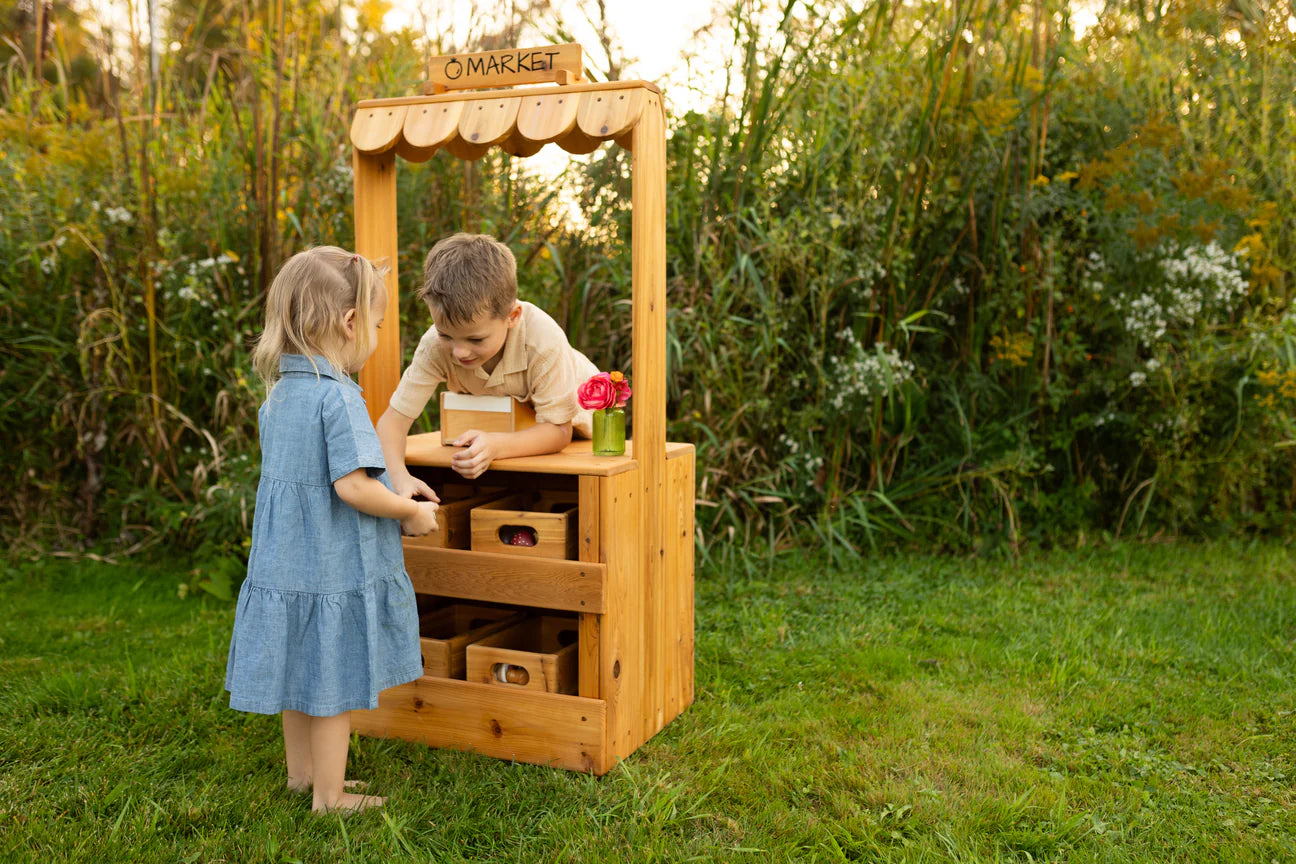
<point x="350" y="803"/>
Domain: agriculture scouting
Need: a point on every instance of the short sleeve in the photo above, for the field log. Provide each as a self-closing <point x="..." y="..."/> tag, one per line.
<point x="553" y="372"/>
<point x="420" y="379"/>
<point x="349" y="436"/>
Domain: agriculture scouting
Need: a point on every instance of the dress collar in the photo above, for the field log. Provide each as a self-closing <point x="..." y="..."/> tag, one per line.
<point x="302" y="363"/>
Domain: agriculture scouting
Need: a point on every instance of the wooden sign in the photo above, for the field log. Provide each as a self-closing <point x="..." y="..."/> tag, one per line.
<point x="558" y="63"/>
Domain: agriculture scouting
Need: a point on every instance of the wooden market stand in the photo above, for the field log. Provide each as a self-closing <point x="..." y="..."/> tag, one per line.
<point x="631" y="586"/>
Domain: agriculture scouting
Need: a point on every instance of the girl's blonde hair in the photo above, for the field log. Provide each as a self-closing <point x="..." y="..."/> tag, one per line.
<point x="307" y="305"/>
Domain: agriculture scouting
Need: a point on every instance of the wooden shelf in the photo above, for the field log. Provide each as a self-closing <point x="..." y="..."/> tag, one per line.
<point x="576" y="458"/>
<point x="549" y="583"/>
<point x="501" y="721"/>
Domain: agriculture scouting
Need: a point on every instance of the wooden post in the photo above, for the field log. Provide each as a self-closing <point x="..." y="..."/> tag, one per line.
<point x="648" y="327"/>
<point x="375" y="238"/>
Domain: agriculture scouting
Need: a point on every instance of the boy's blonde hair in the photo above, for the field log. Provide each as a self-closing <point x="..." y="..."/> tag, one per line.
<point x="306" y="308"/>
<point x="467" y="274"/>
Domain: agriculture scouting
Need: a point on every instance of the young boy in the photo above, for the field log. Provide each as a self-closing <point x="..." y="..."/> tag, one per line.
<point x="486" y="342"/>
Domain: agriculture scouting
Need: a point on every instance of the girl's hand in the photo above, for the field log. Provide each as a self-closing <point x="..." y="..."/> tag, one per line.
<point x="409" y="486"/>
<point x="422" y="521"/>
<point x="481" y="449"/>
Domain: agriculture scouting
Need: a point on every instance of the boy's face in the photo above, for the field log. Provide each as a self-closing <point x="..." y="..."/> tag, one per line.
<point x="479" y="342"/>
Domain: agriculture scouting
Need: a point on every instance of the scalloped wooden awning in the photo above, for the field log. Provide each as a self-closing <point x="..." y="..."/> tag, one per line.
<point x="576" y="117"/>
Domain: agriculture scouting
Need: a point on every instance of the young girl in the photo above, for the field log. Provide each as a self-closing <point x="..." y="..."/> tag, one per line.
<point x="326" y="617"/>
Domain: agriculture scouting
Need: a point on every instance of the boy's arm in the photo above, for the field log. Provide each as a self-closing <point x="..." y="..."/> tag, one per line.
<point x="483" y="448"/>
<point x="393" y="430"/>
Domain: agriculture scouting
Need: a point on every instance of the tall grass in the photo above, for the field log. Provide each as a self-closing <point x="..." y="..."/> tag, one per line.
<point x="918" y="256"/>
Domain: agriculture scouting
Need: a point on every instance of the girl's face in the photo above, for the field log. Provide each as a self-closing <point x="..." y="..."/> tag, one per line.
<point x="480" y="342"/>
<point x="359" y="357"/>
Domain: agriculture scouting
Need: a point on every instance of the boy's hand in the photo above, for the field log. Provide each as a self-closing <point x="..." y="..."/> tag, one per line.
<point x="480" y="450"/>
<point x="408" y="486"/>
<point x="423" y="521"/>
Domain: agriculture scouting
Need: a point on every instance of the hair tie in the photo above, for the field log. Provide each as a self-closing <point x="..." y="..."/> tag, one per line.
<point x="355" y="256"/>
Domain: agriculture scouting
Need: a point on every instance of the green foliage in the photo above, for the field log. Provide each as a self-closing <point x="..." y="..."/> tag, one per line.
<point x="946" y="274"/>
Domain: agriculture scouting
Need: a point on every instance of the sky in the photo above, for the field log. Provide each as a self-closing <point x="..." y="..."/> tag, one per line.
<point x="654" y="32"/>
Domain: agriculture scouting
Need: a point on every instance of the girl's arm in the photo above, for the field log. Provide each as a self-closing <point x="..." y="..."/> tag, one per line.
<point x="368" y="495"/>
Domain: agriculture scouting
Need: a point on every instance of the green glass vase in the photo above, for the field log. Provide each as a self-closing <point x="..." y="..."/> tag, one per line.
<point x="609" y="431"/>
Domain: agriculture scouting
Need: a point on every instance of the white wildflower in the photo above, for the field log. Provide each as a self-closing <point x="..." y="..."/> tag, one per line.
<point x="1137" y="378"/>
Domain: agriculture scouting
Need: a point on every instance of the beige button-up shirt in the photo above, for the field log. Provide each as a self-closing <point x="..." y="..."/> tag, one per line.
<point x="538" y="366"/>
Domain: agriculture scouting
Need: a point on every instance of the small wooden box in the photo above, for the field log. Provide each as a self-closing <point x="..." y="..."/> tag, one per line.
<point x="445" y="633"/>
<point x="536" y="654"/>
<point x="550" y="519"/>
<point x="463" y="411"/>
<point x="454" y="520"/>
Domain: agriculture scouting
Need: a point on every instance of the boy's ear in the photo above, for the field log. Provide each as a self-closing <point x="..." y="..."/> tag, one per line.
<point x="515" y="314"/>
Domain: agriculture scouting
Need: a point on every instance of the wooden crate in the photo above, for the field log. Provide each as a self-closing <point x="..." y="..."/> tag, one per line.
<point x="463" y="411"/>
<point x="551" y="518"/>
<point x="454" y="521"/>
<point x="446" y="632"/>
<point x="539" y="653"/>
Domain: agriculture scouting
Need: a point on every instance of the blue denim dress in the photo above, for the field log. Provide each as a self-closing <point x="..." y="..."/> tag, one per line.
<point x="326" y="617"/>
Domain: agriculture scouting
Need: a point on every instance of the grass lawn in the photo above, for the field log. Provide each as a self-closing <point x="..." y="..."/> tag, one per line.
<point x="1128" y="704"/>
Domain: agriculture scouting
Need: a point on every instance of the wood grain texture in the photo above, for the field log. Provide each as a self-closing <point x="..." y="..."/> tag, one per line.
<point x="554" y="532"/>
<point x="609" y="115"/>
<point x="679" y="621"/>
<point x="375" y="239"/>
<point x="488" y="121"/>
<point x="445" y="633"/>
<point x="621" y="660"/>
<point x="495" y="94"/>
<point x="588" y="549"/>
<point x="504" y="68"/>
<point x="547" y="583"/>
<point x="547" y="117"/>
<point x="576" y="458"/>
<point x="376" y="130"/>
<point x="648" y="257"/>
<point x="430" y="126"/>
<point x="454" y="522"/>
<point x="537" y="728"/>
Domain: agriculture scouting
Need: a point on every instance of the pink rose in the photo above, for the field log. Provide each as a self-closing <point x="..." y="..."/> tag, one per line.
<point x="597" y="392"/>
<point x="604" y="390"/>
<point x="621" y="385"/>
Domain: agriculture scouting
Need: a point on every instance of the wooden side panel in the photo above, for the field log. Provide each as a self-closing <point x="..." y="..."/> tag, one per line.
<point x="539" y="728"/>
<point x="375" y="239"/>
<point x="621" y="658"/>
<point x="548" y="583"/>
<point x="648" y="257"/>
<point x="588" y="549"/>
<point x="679" y="620"/>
